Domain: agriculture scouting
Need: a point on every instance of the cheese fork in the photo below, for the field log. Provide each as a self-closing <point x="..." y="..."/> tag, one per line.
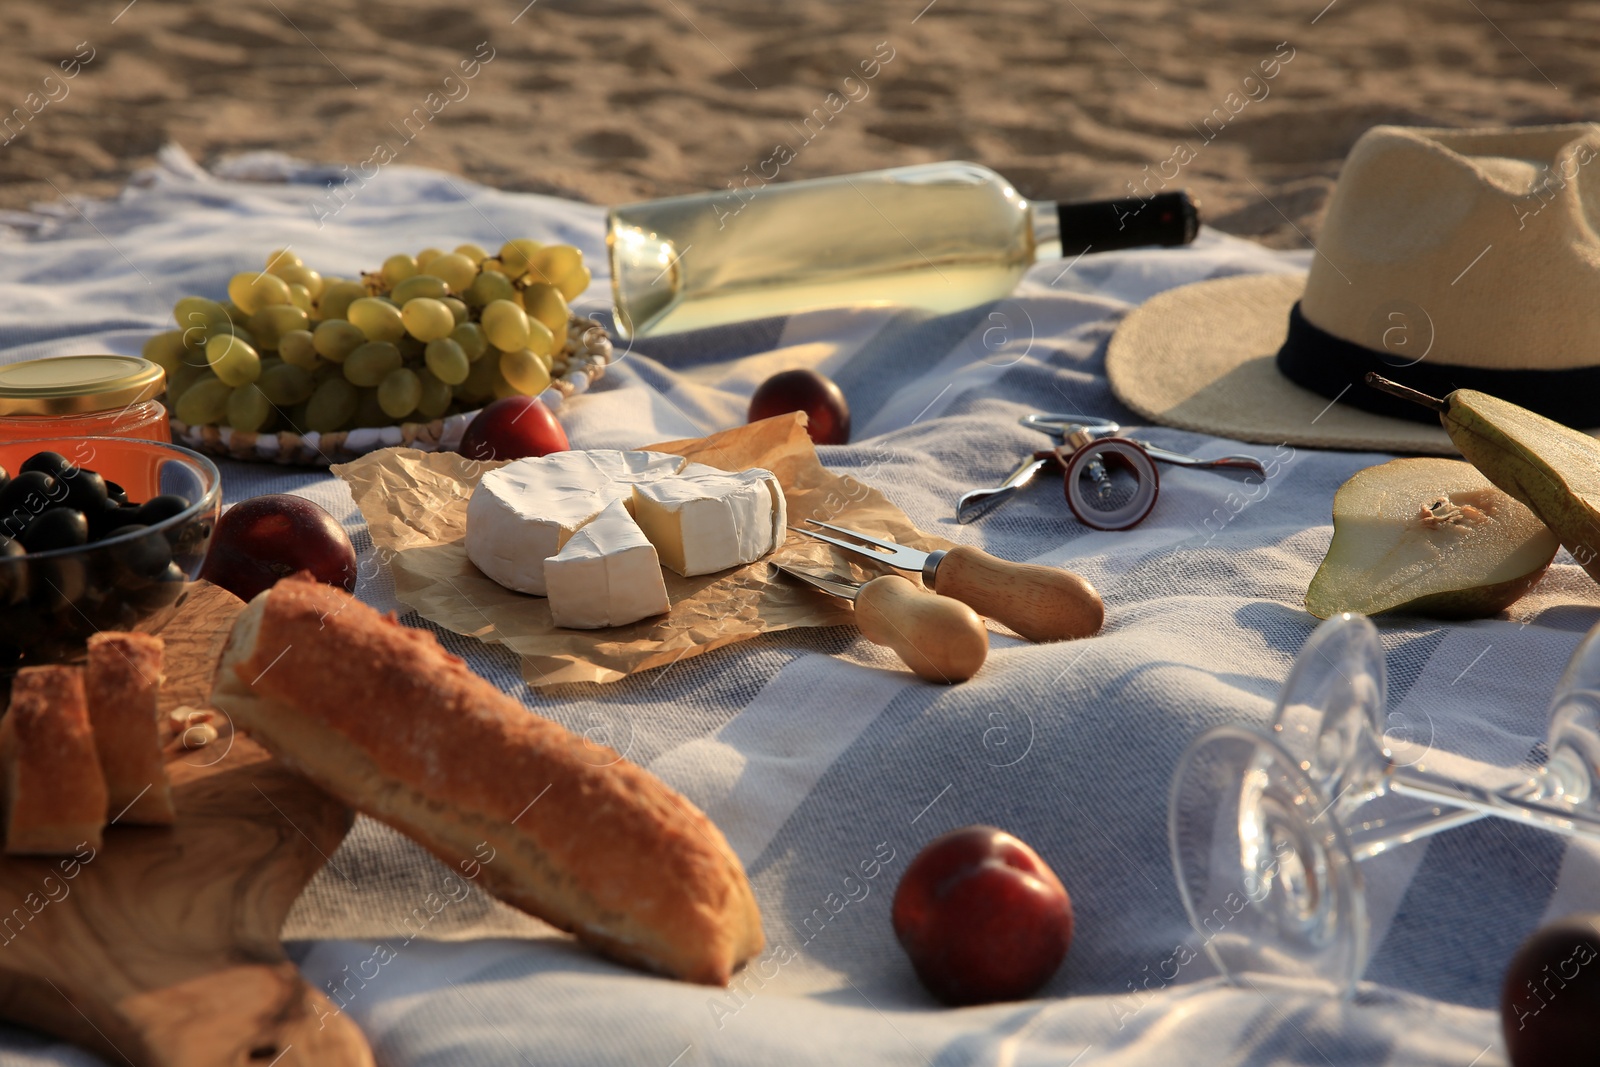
<point x="1040" y="603"/>
<point x="940" y="639"/>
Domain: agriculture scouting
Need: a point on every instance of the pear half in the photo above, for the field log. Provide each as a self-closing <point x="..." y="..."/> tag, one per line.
<point x="1428" y="537"/>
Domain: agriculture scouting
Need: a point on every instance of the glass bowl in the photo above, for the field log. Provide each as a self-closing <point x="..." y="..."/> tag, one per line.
<point x="52" y="601"/>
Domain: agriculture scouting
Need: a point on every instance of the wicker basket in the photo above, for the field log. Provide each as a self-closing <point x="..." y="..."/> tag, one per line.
<point x="580" y="363"/>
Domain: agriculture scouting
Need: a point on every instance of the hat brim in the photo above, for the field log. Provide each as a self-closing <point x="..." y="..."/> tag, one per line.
<point x="1202" y="357"/>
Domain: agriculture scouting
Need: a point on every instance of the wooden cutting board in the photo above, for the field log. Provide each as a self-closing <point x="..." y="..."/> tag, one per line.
<point x="162" y="949"/>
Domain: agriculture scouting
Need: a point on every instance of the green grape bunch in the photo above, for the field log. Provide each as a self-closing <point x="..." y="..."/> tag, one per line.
<point x="420" y="338"/>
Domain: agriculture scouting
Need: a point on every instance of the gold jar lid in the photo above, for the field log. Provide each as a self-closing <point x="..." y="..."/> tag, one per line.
<point x="75" y="385"/>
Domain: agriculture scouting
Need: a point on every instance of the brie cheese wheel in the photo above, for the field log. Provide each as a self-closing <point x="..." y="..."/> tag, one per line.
<point x="607" y="574"/>
<point x="526" y="511"/>
<point x="708" y="520"/>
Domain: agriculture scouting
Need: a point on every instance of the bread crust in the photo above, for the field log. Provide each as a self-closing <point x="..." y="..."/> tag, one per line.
<point x="55" y="791"/>
<point x="382" y="717"/>
<point x="123" y="684"/>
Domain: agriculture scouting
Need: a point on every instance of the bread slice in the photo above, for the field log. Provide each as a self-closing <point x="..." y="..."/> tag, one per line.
<point x="55" y="793"/>
<point x="387" y="721"/>
<point x="123" y="680"/>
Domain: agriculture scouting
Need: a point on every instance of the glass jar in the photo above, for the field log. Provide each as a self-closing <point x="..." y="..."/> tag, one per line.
<point x="83" y="396"/>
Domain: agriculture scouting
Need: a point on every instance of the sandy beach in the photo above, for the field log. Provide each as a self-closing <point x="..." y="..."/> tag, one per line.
<point x="1251" y="106"/>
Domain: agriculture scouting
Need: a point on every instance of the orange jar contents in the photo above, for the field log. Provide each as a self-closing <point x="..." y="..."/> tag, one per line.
<point x="83" y="396"/>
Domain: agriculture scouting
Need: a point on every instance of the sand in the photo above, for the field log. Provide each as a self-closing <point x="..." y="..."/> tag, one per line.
<point x="614" y="100"/>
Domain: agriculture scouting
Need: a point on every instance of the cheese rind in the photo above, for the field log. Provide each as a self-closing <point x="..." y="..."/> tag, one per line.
<point x="608" y="574"/>
<point x="707" y="520"/>
<point x="524" y="512"/>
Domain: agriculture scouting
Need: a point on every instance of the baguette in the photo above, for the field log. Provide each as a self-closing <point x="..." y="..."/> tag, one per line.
<point x="55" y="792"/>
<point x="384" y="719"/>
<point x="124" y="689"/>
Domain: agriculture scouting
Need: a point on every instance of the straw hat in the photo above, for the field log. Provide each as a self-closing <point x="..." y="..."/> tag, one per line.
<point x="1448" y="259"/>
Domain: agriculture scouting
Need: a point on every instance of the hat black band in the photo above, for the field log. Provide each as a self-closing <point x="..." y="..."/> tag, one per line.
<point x="1315" y="359"/>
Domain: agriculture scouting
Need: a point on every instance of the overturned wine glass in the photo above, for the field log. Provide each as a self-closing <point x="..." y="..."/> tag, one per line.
<point x="1268" y="831"/>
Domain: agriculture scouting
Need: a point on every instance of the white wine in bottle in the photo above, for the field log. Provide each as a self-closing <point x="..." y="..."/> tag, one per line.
<point x="941" y="236"/>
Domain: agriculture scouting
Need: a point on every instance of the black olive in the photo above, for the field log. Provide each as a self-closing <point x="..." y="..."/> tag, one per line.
<point x="116" y="496"/>
<point x="56" y="528"/>
<point x="1551" y="995"/>
<point x="144" y="557"/>
<point x="86" y="490"/>
<point x="28" y="496"/>
<point x="51" y="463"/>
<point x="108" y="520"/>
<point x="13" y="572"/>
<point x="160" y="508"/>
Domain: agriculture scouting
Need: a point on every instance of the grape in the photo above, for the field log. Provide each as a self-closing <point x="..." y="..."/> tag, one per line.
<point x="525" y="372"/>
<point x="573" y="285"/>
<point x="369" y="412"/>
<point x="553" y="263"/>
<point x="300" y="297"/>
<point x="166" y="350"/>
<point x="251" y="291"/>
<point x="181" y="379"/>
<point x="337" y="298"/>
<point x="236" y="314"/>
<point x="540" y="339"/>
<point x="238" y="333"/>
<point x="518" y="255"/>
<point x="336" y="339"/>
<point x="427" y="319"/>
<point x="419" y="285"/>
<point x="282" y="259"/>
<point x="480" y="380"/>
<point x="469" y="335"/>
<point x="493" y="264"/>
<point x="397" y="268"/>
<point x="286" y="384"/>
<point x="233" y="361"/>
<point x="299" y="348"/>
<point x="457" y="270"/>
<point x="472" y="252"/>
<point x="271" y="323"/>
<point x="399" y="393"/>
<point x="248" y="408"/>
<point x="545" y="304"/>
<point x="426" y="256"/>
<point x="488" y="288"/>
<point x="447" y="361"/>
<point x="205" y="402"/>
<point x="505" y="325"/>
<point x="331" y="406"/>
<point x="367" y="365"/>
<point x="302" y="275"/>
<point x="457" y="308"/>
<point x="435" y="397"/>
<point x="196" y="317"/>
<point x="378" y="319"/>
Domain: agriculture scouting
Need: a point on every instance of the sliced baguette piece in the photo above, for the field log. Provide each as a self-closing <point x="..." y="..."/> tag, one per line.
<point x="123" y="680"/>
<point x="384" y="719"/>
<point x="55" y="792"/>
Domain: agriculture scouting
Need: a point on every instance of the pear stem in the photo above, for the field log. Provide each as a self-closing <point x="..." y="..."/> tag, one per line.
<point x="1378" y="381"/>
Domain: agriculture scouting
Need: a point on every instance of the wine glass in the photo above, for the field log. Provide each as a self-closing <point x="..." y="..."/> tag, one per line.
<point x="1268" y="830"/>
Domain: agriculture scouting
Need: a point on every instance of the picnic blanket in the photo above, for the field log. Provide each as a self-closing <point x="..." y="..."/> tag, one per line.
<point x="818" y="755"/>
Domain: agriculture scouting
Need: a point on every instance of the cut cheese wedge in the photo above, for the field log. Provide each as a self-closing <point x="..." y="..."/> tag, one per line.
<point x="591" y="530"/>
<point x="608" y="574"/>
<point x="524" y="512"/>
<point x="707" y="520"/>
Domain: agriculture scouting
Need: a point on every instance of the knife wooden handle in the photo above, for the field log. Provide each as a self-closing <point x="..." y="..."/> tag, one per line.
<point x="1040" y="603"/>
<point x="940" y="639"/>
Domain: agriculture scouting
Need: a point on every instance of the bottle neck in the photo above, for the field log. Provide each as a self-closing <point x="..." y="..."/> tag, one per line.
<point x="1071" y="230"/>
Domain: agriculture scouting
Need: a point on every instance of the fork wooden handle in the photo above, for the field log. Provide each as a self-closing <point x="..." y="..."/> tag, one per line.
<point x="1040" y="603"/>
<point x="940" y="639"/>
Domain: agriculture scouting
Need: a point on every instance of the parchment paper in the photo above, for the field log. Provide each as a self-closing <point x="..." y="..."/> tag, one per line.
<point x="415" y="504"/>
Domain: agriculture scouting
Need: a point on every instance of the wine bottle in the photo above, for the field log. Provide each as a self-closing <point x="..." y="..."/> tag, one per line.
<point x="939" y="236"/>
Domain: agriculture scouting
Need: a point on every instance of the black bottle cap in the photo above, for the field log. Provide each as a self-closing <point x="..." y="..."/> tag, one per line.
<point x="1128" y="222"/>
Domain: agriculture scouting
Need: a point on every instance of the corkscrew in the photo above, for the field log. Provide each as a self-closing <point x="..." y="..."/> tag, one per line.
<point x="1269" y="830"/>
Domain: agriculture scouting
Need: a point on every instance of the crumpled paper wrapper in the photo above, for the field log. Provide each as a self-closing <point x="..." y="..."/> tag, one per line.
<point x="415" y="504"/>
